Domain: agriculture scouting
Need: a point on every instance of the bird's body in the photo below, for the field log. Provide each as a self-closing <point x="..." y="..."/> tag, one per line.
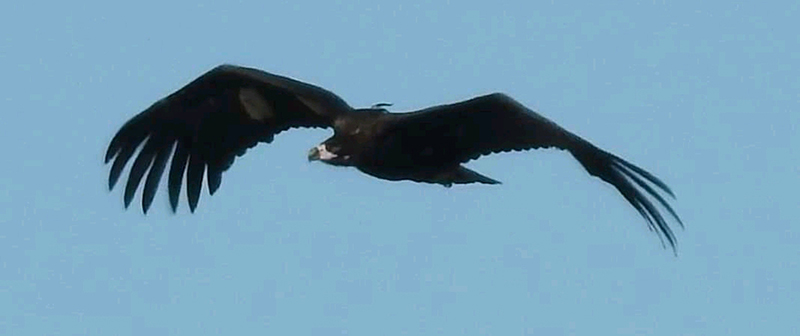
<point x="229" y="109"/>
<point x="369" y="140"/>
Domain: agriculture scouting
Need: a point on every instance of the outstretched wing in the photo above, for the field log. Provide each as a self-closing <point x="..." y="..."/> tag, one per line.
<point x="209" y="122"/>
<point x="494" y="123"/>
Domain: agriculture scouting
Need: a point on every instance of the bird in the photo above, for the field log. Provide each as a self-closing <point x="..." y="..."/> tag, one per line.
<point x="215" y="118"/>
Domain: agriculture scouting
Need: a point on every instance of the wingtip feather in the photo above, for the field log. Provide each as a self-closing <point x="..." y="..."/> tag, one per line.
<point x="615" y="171"/>
<point x="194" y="180"/>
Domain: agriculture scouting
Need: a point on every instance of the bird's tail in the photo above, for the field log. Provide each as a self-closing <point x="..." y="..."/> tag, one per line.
<point x="464" y="175"/>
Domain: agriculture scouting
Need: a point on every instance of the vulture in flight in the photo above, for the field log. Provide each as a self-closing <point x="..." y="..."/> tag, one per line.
<point x="206" y="124"/>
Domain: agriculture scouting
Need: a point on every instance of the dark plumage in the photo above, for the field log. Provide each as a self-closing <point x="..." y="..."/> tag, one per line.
<point x="229" y="109"/>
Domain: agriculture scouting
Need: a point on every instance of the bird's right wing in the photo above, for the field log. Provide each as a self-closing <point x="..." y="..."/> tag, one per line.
<point x="209" y="122"/>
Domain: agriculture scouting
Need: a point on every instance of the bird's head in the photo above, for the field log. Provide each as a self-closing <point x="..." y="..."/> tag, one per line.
<point x="329" y="152"/>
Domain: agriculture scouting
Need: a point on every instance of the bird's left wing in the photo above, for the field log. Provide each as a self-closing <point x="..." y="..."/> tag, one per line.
<point x="495" y="123"/>
<point x="209" y="122"/>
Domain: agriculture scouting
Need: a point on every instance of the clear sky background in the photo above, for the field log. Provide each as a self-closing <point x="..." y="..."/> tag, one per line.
<point x="702" y="94"/>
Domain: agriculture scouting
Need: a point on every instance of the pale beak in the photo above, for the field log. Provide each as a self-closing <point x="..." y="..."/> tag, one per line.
<point x="313" y="154"/>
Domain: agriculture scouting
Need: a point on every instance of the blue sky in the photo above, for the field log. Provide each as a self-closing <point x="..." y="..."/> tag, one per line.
<point x="702" y="94"/>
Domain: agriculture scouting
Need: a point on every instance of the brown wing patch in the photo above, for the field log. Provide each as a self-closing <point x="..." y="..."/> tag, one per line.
<point x="256" y="107"/>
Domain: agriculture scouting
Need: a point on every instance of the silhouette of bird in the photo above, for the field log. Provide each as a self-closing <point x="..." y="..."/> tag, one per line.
<point x="206" y="124"/>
